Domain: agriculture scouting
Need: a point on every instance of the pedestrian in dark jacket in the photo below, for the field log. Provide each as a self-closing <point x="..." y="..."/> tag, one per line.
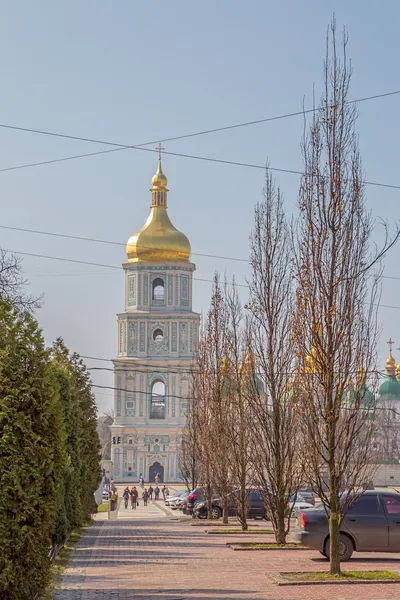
<point x="134" y="497"/>
<point x="145" y="496"/>
<point x="151" y="492"/>
<point x="157" y="492"/>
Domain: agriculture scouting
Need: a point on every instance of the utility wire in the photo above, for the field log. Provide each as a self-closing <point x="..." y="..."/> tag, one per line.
<point x="188" y="135"/>
<point x="98" y="241"/>
<point x="93" y="264"/>
<point x="187" y="399"/>
<point x="182" y="155"/>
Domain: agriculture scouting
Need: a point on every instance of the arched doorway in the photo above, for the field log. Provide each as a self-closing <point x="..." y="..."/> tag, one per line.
<point x="155" y="469"/>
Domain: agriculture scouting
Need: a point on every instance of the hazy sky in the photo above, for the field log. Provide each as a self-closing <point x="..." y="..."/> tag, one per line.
<point x="133" y="72"/>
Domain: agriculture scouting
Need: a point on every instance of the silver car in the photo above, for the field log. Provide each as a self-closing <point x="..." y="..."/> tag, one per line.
<point x="371" y="524"/>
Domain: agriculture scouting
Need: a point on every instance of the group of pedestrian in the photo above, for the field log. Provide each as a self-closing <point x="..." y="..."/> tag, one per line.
<point x="147" y="494"/>
<point x="131" y="495"/>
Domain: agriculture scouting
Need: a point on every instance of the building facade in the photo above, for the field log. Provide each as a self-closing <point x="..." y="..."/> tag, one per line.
<point x="157" y="345"/>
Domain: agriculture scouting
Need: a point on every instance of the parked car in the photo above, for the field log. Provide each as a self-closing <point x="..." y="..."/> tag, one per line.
<point x="197" y="495"/>
<point x="297" y="504"/>
<point x="177" y="504"/>
<point x="307" y="497"/>
<point x="256" y="508"/>
<point x="371" y="524"/>
<point x="106" y="495"/>
<point x="169" y="500"/>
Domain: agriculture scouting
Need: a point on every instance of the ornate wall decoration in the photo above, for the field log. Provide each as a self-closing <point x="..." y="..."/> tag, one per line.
<point x="174" y="337"/>
<point x="191" y="337"/>
<point x="177" y="277"/>
<point x="125" y="461"/>
<point x="120" y="337"/>
<point x="117" y="462"/>
<point x="145" y="289"/>
<point x="157" y="348"/>
<point x="132" y="337"/>
<point x="184" y="290"/>
<point x="131" y="290"/>
<point x="119" y="394"/>
<point x="142" y="335"/>
<point x="130" y="405"/>
<point x="125" y="336"/>
<point x="169" y="291"/>
<point x="139" y="299"/>
<point x="183" y="338"/>
<point x="173" y="394"/>
<point x="141" y="398"/>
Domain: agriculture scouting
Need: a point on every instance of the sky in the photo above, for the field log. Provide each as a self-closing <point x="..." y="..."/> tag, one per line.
<point x="133" y="72"/>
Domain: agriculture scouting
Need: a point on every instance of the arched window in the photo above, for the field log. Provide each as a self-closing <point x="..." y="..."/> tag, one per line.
<point x="158" y="335"/>
<point x="157" y="407"/>
<point x="158" y="289"/>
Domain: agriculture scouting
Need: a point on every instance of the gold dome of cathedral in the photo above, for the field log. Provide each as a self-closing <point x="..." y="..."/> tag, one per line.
<point x="158" y="240"/>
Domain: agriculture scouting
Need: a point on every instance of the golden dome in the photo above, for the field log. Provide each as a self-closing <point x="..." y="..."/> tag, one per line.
<point x="159" y="180"/>
<point x="158" y="240"/>
<point x="390" y="366"/>
<point x="361" y="376"/>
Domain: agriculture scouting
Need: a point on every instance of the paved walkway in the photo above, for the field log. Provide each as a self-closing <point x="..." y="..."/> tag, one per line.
<point x="144" y="555"/>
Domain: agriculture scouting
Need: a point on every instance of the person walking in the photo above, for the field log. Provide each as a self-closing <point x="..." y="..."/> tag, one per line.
<point x="165" y="492"/>
<point x="157" y="492"/>
<point x="157" y="478"/>
<point x="134" y="497"/>
<point x="145" y="496"/>
<point x="151" y="492"/>
<point x="126" y="495"/>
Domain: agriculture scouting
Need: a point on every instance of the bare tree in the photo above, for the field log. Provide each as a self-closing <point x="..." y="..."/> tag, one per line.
<point x="275" y="432"/>
<point x="218" y="403"/>
<point x="337" y="296"/>
<point x="190" y="456"/>
<point x="104" y="423"/>
<point x="12" y="283"/>
<point x="238" y="372"/>
<point x="200" y="405"/>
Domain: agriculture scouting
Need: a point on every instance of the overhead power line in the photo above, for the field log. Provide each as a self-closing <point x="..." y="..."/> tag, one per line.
<point x="100" y="241"/>
<point x="93" y="264"/>
<point x="182" y="155"/>
<point x="187" y="135"/>
<point x="112" y="243"/>
<point x="178" y="154"/>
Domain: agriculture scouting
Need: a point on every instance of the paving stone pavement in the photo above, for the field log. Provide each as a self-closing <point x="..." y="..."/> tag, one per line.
<point x="147" y="556"/>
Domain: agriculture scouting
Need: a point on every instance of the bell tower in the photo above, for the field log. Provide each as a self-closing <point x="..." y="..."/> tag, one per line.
<point x="157" y="346"/>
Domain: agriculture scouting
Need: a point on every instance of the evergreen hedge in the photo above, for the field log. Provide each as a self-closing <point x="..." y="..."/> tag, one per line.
<point x="32" y="455"/>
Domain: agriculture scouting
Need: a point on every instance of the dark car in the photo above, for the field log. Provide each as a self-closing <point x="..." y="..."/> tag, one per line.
<point x="256" y="507"/>
<point x="371" y="524"/>
<point x="307" y="497"/>
<point x="197" y="495"/>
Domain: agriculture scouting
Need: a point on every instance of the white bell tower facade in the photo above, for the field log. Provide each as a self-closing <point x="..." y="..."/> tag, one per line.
<point x="157" y="347"/>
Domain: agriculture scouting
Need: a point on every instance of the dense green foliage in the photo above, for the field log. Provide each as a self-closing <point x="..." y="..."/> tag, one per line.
<point x="49" y="452"/>
<point x="82" y="473"/>
<point x="32" y="456"/>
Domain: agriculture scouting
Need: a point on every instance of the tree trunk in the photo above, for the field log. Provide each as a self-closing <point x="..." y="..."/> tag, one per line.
<point x="280" y="533"/>
<point x="334" y="541"/>
<point x="225" y="513"/>
<point x="209" y="502"/>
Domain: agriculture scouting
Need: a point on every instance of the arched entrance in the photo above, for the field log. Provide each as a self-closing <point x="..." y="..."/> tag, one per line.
<point x="155" y="469"/>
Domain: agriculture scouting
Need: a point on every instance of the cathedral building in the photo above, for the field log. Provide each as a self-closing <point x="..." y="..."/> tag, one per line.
<point x="157" y="345"/>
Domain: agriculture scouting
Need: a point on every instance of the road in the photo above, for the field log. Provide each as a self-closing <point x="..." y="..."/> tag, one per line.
<point x="145" y="555"/>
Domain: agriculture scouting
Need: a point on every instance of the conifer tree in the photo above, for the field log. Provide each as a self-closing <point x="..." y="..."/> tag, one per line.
<point x="82" y="472"/>
<point x="32" y="455"/>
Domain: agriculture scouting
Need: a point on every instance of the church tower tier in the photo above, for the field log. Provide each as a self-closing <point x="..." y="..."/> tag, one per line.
<point x="157" y="347"/>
